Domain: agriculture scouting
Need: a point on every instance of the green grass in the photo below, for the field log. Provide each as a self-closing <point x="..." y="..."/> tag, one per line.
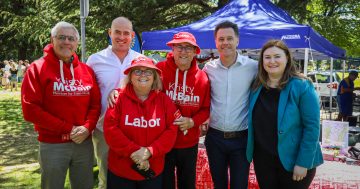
<point x="19" y="168"/>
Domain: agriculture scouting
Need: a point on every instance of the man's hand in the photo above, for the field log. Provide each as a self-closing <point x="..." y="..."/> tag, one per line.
<point x="79" y="134"/>
<point x="112" y="98"/>
<point x="203" y="129"/>
<point x="184" y="123"/>
<point x="299" y="173"/>
<point x="140" y="155"/>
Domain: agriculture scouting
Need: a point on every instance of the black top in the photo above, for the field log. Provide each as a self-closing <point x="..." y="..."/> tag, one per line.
<point x="13" y="72"/>
<point x="265" y="120"/>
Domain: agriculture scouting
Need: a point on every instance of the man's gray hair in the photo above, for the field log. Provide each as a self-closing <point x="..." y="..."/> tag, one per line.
<point x="61" y="25"/>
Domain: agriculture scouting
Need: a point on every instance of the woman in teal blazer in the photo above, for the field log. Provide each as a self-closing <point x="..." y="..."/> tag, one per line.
<point x="284" y="122"/>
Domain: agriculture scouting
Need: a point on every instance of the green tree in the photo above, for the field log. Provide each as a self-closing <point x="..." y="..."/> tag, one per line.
<point x="26" y="24"/>
<point x="337" y="20"/>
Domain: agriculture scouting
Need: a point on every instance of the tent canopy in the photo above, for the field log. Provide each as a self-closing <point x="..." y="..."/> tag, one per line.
<point x="258" y="21"/>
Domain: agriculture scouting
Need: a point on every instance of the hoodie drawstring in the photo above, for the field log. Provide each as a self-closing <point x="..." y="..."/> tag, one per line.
<point x="184" y="84"/>
<point x="176" y="83"/>
<point x="62" y="72"/>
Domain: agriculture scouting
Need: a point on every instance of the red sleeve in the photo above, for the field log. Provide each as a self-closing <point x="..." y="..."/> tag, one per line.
<point x="160" y="65"/>
<point x="167" y="139"/>
<point x="114" y="136"/>
<point x="203" y="114"/>
<point x="95" y="105"/>
<point x="31" y="101"/>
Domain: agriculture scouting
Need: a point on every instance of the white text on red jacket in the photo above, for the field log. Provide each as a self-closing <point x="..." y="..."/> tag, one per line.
<point x="189" y="98"/>
<point x="141" y="122"/>
<point x="68" y="88"/>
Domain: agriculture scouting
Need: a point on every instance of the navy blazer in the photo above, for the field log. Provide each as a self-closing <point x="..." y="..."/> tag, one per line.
<point x="298" y="125"/>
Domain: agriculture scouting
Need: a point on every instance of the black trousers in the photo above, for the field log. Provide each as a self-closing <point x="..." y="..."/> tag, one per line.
<point x="184" y="160"/>
<point x="227" y="159"/>
<point x="116" y="182"/>
<point x="271" y="174"/>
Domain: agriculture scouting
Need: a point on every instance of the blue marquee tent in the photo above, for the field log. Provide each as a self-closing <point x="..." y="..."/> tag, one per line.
<point x="258" y="21"/>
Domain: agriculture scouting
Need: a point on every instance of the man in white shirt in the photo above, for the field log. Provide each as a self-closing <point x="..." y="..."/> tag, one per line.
<point x="230" y="77"/>
<point x="109" y="65"/>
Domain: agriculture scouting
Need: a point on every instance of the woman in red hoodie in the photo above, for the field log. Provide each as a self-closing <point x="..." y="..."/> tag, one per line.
<point x="189" y="88"/>
<point x="139" y="129"/>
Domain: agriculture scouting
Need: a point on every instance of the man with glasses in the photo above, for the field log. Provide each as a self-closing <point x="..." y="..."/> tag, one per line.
<point x="109" y="65"/>
<point x="61" y="97"/>
<point x="189" y="88"/>
<point x="231" y="76"/>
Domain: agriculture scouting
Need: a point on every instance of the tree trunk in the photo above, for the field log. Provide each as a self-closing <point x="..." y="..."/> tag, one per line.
<point x="22" y="51"/>
<point x="222" y="3"/>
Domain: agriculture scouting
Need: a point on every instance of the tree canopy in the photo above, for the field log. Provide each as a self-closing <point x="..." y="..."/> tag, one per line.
<point x="25" y="24"/>
<point x="337" y="20"/>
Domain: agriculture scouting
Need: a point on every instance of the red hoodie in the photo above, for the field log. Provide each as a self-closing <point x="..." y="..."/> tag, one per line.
<point x="55" y="99"/>
<point x="132" y="124"/>
<point x="192" y="99"/>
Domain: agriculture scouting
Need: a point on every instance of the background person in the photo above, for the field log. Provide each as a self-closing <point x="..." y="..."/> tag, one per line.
<point x="5" y="81"/>
<point x="60" y="96"/>
<point x="13" y="77"/>
<point x="284" y="122"/>
<point x="109" y="65"/>
<point x="345" y="96"/>
<point x="139" y="129"/>
<point x="2" y="66"/>
<point x="26" y="64"/>
<point x="20" y="71"/>
<point x="230" y="77"/>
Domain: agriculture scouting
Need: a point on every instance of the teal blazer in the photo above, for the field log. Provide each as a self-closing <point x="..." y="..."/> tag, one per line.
<point x="298" y="125"/>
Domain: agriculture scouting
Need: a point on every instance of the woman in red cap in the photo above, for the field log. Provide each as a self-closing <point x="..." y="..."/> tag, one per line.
<point x="139" y="129"/>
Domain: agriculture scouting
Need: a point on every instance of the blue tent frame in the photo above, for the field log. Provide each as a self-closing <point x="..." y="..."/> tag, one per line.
<point x="258" y="21"/>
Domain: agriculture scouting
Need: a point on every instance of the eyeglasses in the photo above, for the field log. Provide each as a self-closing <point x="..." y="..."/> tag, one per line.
<point x="145" y="72"/>
<point x="187" y="49"/>
<point x="64" y="37"/>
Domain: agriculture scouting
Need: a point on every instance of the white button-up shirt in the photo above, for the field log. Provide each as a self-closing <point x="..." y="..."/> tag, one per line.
<point x="109" y="71"/>
<point x="230" y="90"/>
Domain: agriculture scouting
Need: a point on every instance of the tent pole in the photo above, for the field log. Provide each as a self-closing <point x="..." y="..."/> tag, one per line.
<point x="331" y="83"/>
<point x="306" y="61"/>
<point x="84" y="11"/>
<point x="343" y="72"/>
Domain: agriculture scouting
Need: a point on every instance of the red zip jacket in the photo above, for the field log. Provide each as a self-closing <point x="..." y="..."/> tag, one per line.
<point x="132" y="124"/>
<point x="192" y="98"/>
<point x="55" y="100"/>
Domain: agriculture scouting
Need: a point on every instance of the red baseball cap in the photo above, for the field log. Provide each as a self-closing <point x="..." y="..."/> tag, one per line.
<point x="184" y="37"/>
<point x="144" y="62"/>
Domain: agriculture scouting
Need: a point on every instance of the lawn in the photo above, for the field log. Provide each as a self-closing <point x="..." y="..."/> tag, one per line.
<point x="19" y="168"/>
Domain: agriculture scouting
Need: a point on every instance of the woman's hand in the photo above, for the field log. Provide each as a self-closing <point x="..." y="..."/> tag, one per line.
<point x="299" y="173"/>
<point x="140" y="155"/>
<point x="144" y="165"/>
<point x="112" y="98"/>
